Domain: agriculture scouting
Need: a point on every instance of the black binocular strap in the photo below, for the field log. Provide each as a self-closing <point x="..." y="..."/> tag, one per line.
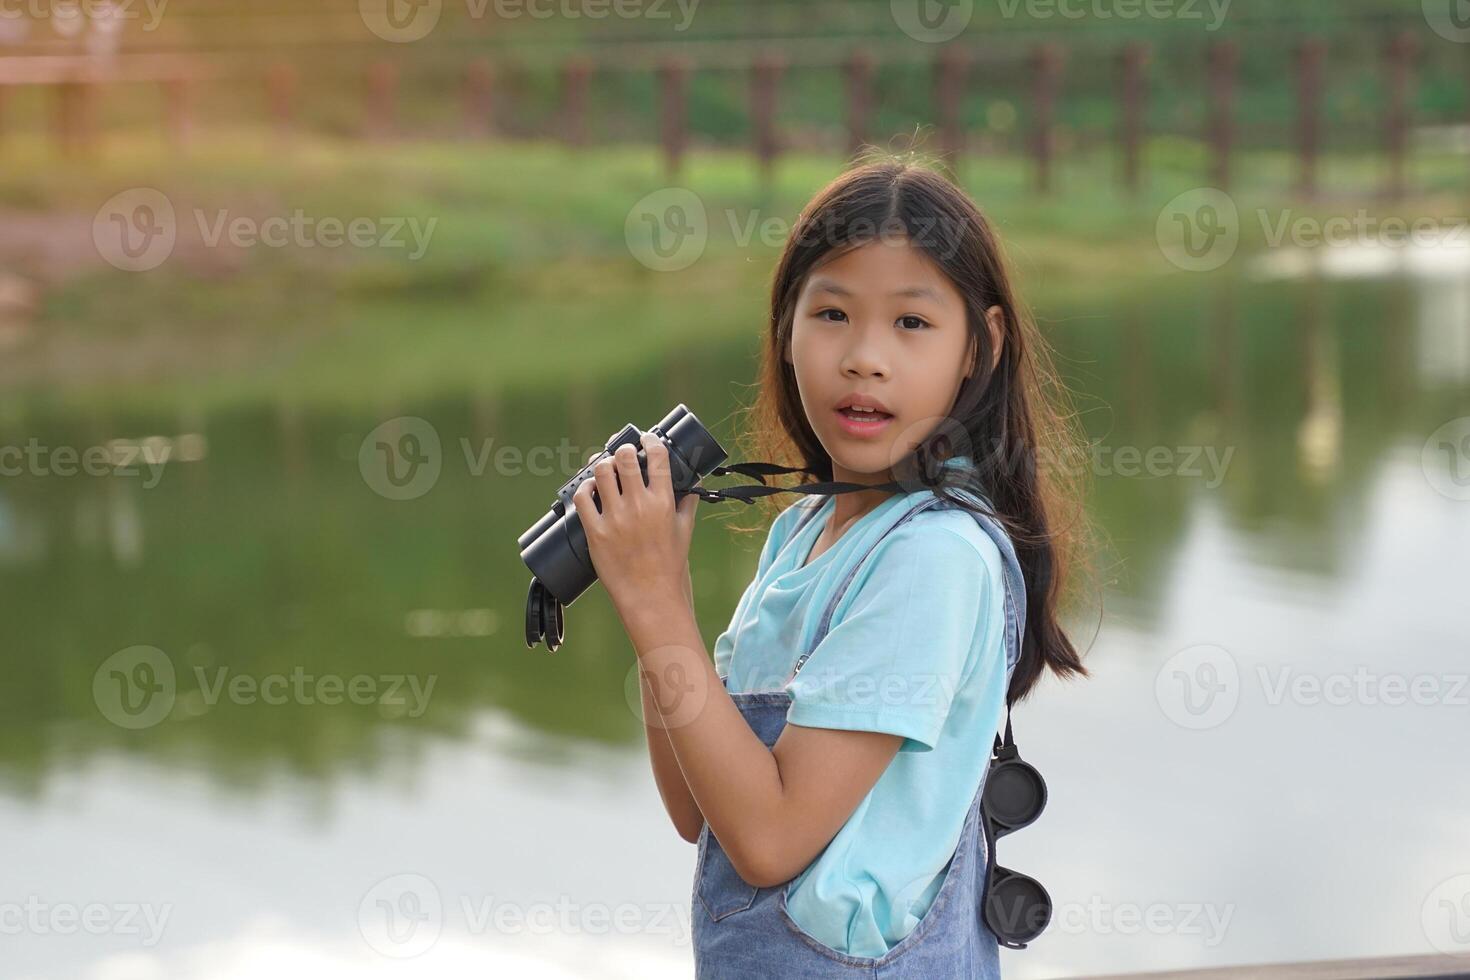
<point x="759" y="471"/>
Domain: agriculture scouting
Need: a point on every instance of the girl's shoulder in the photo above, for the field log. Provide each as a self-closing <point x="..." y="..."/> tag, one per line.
<point x="950" y="534"/>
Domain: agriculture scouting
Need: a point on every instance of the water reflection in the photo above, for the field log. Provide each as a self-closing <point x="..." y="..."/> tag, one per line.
<point x="1259" y="476"/>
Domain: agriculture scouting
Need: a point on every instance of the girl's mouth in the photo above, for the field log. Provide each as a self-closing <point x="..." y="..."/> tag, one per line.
<point x="862" y="424"/>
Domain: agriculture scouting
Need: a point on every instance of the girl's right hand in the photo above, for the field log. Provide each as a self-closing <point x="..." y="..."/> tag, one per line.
<point x="687" y="527"/>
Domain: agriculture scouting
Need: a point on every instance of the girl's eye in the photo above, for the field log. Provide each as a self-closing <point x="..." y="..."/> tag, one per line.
<point x="912" y="322"/>
<point x="838" y="313"/>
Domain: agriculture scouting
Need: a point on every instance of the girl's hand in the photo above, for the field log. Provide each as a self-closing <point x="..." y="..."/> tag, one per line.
<point x="639" y="542"/>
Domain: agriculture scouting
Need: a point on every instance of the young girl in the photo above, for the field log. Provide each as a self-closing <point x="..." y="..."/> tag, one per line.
<point x="829" y="759"/>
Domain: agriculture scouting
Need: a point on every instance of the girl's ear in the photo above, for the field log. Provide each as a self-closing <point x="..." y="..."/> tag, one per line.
<point x="995" y="319"/>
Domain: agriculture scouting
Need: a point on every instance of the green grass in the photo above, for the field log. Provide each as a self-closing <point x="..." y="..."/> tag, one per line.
<point x="528" y="266"/>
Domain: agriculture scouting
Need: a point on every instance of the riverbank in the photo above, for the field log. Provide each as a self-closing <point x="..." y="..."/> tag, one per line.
<point x="329" y="272"/>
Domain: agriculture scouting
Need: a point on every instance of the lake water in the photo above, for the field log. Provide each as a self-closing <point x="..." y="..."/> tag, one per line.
<point x="1268" y="765"/>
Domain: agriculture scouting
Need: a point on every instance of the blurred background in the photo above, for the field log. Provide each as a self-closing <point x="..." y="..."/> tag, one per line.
<point x="307" y="310"/>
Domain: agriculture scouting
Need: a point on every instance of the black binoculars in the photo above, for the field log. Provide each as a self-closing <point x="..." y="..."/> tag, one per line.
<point x="555" y="547"/>
<point x="1017" y="907"/>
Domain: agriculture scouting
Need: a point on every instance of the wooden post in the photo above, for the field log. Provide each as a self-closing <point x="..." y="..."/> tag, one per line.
<point x="575" y="74"/>
<point x="1046" y="70"/>
<point x="382" y="86"/>
<point x="859" y="70"/>
<point x="673" y="97"/>
<point x="1133" y="94"/>
<point x="478" y="95"/>
<point x="1224" y="57"/>
<point x="1310" y="57"/>
<point x="280" y="87"/>
<point x="177" y="111"/>
<point x="74" y="105"/>
<point x="949" y="86"/>
<point x="1401" y="52"/>
<point x="765" y="80"/>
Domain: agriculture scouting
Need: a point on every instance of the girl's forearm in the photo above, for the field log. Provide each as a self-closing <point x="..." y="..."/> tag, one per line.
<point x="731" y="775"/>
<point x="672" y="787"/>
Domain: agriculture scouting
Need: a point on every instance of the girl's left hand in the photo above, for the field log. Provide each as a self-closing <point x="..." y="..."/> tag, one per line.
<point x="640" y="541"/>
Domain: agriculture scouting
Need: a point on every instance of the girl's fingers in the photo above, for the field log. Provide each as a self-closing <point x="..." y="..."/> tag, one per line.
<point x="628" y="469"/>
<point x="660" y="481"/>
<point x="582" y="501"/>
<point x="605" y="475"/>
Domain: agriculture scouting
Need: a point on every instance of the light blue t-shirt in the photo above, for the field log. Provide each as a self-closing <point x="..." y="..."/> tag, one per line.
<point x="916" y="648"/>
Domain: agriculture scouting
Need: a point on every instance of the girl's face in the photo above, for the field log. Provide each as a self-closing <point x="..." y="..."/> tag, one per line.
<point x="881" y="323"/>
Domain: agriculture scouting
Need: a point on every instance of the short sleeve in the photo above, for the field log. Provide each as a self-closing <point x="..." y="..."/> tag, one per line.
<point x="908" y="638"/>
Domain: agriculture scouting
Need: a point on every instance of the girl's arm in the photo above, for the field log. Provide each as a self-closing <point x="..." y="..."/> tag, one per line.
<point x="672" y="787"/>
<point x="772" y="810"/>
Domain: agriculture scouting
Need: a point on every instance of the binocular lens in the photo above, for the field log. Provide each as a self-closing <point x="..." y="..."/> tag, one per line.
<point x="1015" y="795"/>
<point x="1017" y="908"/>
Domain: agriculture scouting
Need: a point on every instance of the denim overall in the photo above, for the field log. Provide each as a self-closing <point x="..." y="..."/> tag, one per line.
<point x="745" y="933"/>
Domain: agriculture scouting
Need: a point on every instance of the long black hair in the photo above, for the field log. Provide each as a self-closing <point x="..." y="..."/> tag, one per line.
<point x="1015" y="418"/>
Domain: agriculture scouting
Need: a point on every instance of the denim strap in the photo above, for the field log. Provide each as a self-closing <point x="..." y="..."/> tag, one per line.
<point x="1015" y="599"/>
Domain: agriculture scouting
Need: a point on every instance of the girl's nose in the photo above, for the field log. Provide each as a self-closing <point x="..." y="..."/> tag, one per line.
<point x="865" y="356"/>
